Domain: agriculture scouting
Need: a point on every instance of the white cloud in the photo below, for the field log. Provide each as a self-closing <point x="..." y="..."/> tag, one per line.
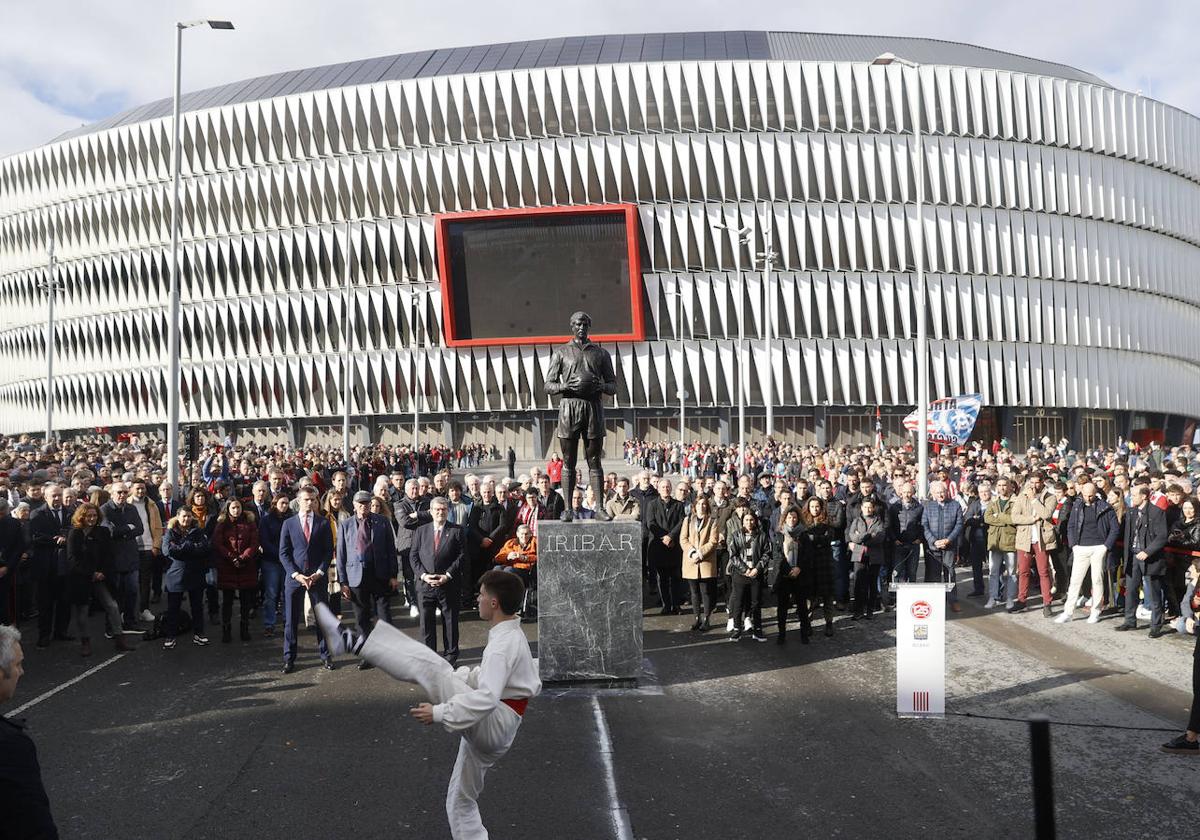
<point x="80" y="56"/>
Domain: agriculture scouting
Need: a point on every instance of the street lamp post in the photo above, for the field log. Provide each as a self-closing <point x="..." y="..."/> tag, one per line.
<point x="922" y="342"/>
<point x="682" y="379"/>
<point x="173" y="312"/>
<point x="768" y="258"/>
<point x="51" y="287"/>
<point x="347" y="378"/>
<point x="743" y="237"/>
<point x="423" y="289"/>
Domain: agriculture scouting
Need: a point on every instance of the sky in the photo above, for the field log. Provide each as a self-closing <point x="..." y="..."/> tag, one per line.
<point x="69" y="62"/>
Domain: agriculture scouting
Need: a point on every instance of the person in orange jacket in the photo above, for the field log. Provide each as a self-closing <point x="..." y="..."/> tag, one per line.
<point x="518" y="553"/>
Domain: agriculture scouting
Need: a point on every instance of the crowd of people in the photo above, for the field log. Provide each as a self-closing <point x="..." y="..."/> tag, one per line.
<point x="92" y="525"/>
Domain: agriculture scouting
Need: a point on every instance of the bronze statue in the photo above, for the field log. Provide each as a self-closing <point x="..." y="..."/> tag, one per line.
<point x="582" y="372"/>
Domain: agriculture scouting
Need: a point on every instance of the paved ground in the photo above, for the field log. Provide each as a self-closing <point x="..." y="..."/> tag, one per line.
<point x="726" y="740"/>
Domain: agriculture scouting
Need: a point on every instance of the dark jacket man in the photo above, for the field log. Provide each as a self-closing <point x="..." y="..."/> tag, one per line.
<point x="1105" y="525"/>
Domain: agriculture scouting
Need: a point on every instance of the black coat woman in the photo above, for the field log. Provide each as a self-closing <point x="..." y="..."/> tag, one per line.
<point x="789" y="579"/>
<point x="90" y="565"/>
<point x="816" y="555"/>
<point x="749" y="559"/>
<point x="188" y="552"/>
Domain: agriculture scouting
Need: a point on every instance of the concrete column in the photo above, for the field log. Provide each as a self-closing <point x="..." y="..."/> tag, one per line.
<point x="630" y="419"/>
<point x="293" y="432"/>
<point x="448" y="431"/>
<point x="539" y="445"/>
<point x="371" y="429"/>
<point x="820" y="415"/>
<point x="724" y="426"/>
<point x="1074" y="427"/>
<point x="1006" y="422"/>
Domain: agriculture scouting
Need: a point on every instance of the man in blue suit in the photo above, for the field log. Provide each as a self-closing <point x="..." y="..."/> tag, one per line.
<point x="305" y="550"/>
<point x="439" y="564"/>
<point x="367" y="565"/>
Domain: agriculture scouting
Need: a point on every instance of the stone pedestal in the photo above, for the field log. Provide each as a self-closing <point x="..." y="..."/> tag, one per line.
<point x="589" y="602"/>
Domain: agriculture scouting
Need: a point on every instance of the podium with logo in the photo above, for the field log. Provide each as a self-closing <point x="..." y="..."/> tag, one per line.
<point x="921" y="649"/>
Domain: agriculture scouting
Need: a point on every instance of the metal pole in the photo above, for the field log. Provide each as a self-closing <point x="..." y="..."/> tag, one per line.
<point x="1043" y="778"/>
<point x="682" y="374"/>
<point x="416" y="398"/>
<point x="922" y="347"/>
<point x="173" y="384"/>
<point x="741" y="377"/>
<point x="768" y="313"/>
<point x="346" y="378"/>
<point x="51" y="290"/>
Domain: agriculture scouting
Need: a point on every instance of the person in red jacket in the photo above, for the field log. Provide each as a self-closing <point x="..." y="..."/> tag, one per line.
<point x="235" y="541"/>
<point x="554" y="470"/>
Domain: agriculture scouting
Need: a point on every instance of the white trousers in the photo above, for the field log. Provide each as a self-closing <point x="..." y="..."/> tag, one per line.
<point x="482" y="745"/>
<point x="1083" y="558"/>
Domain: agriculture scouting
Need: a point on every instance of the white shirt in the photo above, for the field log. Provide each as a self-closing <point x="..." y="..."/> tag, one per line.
<point x="508" y="672"/>
<point x="145" y="543"/>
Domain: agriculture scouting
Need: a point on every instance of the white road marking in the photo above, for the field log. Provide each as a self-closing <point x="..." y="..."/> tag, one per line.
<point x="64" y="686"/>
<point x="619" y="814"/>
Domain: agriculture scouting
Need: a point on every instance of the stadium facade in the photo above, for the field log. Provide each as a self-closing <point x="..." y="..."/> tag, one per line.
<point x="1061" y="228"/>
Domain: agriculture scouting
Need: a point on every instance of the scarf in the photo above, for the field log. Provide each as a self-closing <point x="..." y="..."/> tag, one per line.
<point x="201" y="514"/>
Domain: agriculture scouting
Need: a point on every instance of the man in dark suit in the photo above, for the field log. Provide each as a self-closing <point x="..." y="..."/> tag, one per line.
<point x="23" y="800"/>
<point x="439" y="563"/>
<point x="48" y="528"/>
<point x="12" y="544"/>
<point x="305" y="550"/>
<point x="367" y="566"/>
<point x="1145" y="561"/>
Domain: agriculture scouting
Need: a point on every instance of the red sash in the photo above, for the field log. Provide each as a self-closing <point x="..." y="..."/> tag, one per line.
<point x="517" y="706"/>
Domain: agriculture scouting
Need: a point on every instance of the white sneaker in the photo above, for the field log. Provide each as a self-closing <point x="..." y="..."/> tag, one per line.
<point x="413" y="612"/>
<point x="437" y="611"/>
<point x="1087" y="602"/>
<point x="1143" y="613"/>
<point x="1094" y="618"/>
<point x="746" y="624"/>
<point x="1082" y="601"/>
<point x="1063" y="617"/>
<point x="991" y="602"/>
<point x="729" y="626"/>
<point x="147" y="615"/>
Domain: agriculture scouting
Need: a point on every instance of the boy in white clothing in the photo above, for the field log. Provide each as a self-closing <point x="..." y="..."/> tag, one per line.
<point x="485" y="704"/>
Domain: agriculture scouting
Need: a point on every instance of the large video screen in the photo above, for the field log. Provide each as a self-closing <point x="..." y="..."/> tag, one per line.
<point x="515" y="277"/>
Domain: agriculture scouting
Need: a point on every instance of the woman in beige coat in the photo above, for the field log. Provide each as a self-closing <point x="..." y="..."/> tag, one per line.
<point x="698" y="539"/>
<point x="1031" y="514"/>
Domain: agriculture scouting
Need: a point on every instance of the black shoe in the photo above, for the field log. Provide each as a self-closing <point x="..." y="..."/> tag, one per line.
<point x="734" y="635"/>
<point x="245" y="632"/>
<point x="704" y="626"/>
<point x="781" y="639"/>
<point x="288" y="667"/>
<point x="1120" y="628"/>
<point x="828" y="629"/>
<point x="365" y="665"/>
<point x="1180" y="744"/>
<point x="696" y="624"/>
<point x="1046" y="611"/>
<point x="1157" y="633"/>
<point x="328" y="664"/>
<point x="1018" y="606"/>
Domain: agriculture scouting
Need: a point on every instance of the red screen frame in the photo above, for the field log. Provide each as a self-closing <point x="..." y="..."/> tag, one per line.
<point x="632" y="226"/>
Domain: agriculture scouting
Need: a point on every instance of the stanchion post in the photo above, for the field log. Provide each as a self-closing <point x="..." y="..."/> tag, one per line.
<point x="1043" y="778"/>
